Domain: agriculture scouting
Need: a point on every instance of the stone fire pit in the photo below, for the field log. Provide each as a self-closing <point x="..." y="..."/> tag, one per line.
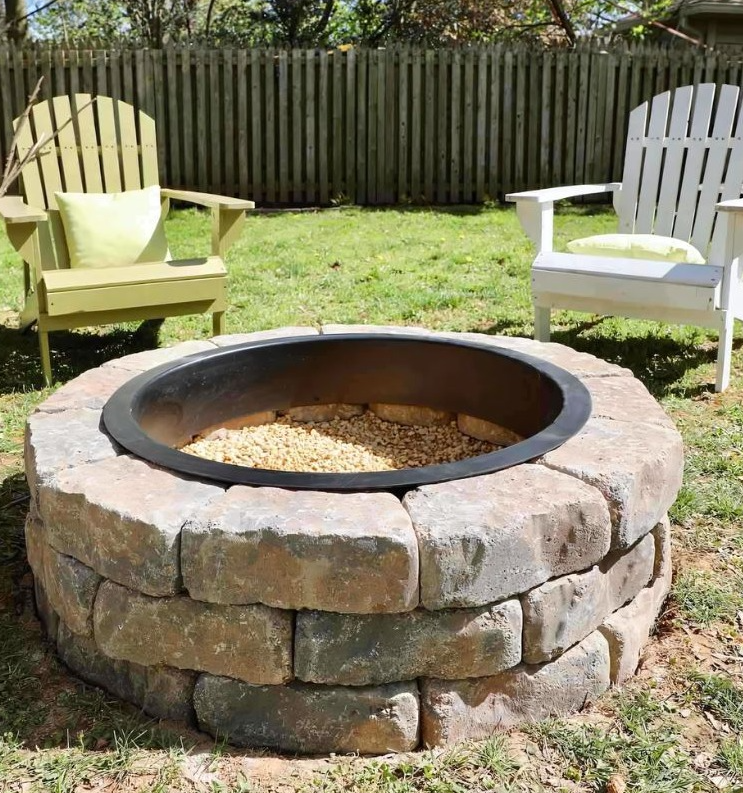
<point x="312" y="621"/>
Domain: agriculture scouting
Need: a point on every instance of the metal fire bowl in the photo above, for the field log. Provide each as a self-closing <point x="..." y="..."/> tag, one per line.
<point x="164" y="408"/>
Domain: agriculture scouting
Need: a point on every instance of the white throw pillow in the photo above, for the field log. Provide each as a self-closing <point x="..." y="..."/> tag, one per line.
<point x="638" y="246"/>
<point x="113" y="229"/>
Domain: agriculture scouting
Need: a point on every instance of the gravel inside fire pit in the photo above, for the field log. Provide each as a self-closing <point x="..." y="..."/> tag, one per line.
<point x="356" y="444"/>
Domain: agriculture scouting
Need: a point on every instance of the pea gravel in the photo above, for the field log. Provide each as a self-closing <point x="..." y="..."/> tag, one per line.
<point x="356" y="444"/>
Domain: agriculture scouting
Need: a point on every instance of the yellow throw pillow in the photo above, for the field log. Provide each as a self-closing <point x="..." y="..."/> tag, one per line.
<point x="113" y="229"/>
<point x="638" y="246"/>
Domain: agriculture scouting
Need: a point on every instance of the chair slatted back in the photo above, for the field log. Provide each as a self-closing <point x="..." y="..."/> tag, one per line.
<point x="684" y="154"/>
<point x="106" y="148"/>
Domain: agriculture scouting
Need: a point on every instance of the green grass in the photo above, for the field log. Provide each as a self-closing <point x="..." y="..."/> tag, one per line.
<point x="463" y="269"/>
<point x="641" y="745"/>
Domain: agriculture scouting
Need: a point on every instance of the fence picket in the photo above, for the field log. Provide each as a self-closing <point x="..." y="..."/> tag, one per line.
<point x="373" y="126"/>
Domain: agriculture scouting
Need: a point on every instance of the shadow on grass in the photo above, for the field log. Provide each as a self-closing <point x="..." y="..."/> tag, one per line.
<point x="659" y="361"/>
<point x="73" y="352"/>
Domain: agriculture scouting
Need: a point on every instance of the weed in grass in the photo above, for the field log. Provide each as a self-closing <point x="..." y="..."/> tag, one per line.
<point x="730" y="756"/>
<point x="704" y="597"/>
<point x="639" y="710"/>
<point x="720" y="696"/>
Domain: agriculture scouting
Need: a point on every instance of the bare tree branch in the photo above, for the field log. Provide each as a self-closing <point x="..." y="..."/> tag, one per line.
<point x="562" y="19"/>
<point x="15" y="164"/>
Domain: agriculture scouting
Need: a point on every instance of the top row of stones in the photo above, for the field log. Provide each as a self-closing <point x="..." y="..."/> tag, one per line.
<point x="457" y="544"/>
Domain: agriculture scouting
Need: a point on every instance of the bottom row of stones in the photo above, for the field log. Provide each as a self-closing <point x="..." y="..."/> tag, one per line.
<point x="362" y="715"/>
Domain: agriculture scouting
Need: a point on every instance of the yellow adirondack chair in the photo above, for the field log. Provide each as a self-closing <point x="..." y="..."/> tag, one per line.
<point x="108" y="148"/>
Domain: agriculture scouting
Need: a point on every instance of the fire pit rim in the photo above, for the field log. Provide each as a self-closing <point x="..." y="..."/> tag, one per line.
<point x="120" y="424"/>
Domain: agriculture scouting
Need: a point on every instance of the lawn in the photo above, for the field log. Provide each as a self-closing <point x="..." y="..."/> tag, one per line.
<point x="675" y="728"/>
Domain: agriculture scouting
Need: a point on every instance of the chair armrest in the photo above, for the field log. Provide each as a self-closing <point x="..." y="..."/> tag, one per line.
<point x="207" y="199"/>
<point x="13" y="210"/>
<point x="734" y="205"/>
<point x="551" y="194"/>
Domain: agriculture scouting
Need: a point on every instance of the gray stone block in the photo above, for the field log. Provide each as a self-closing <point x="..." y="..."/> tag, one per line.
<point x="400" y="330"/>
<point x="368" y="650"/>
<point x="490" y="537"/>
<point x="159" y="691"/>
<point x="252" y="643"/>
<point x="230" y="339"/>
<point x="310" y="719"/>
<point x="47" y="615"/>
<point x="637" y="467"/>
<point x="474" y="709"/>
<point x="561" y="612"/>
<point x="354" y="552"/>
<point x="123" y="518"/>
<point x="69" y="587"/>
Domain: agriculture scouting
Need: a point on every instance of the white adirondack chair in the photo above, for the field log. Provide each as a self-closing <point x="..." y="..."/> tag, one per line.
<point x="683" y="178"/>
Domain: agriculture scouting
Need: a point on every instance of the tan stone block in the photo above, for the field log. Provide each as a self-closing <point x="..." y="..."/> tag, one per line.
<point x="123" y="518"/>
<point x="625" y="399"/>
<point x="345" y="552"/>
<point x="580" y="364"/>
<point x="90" y="390"/>
<point x="252" y="643"/>
<point x="54" y="443"/>
<point x="315" y="413"/>
<point x="628" y="629"/>
<point x="412" y="415"/>
<point x="662" y="534"/>
<point x="69" y="587"/>
<point x="142" y="361"/>
<point x="487" y="430"/>
<point x="637" y="467"/>
<point x="561" y="612"/>
<point x="474" y="709"/>
<point x="221" y="430"/>
<point x="360" y="650"/>
<point x="307" y="719"/>
<point x="490" y="537"/>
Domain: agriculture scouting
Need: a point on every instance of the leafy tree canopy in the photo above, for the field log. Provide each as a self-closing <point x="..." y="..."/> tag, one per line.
<point x="301" y="23"/>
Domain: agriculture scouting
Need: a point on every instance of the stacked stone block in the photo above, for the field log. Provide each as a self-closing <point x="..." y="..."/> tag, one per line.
<point x="316" y="622"/>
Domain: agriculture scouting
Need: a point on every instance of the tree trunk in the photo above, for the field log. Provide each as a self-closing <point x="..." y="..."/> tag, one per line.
<point x="16" y="21"/>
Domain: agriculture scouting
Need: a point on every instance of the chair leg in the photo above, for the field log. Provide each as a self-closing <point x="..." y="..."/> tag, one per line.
<point x="218" y="327"/>
<point x="542" y="323"/>
<point x="724" y="351"/>
<point x="46" y="359"/>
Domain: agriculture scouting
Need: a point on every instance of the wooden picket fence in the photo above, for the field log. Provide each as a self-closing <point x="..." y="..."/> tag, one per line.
<point x="304" y="127"/>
